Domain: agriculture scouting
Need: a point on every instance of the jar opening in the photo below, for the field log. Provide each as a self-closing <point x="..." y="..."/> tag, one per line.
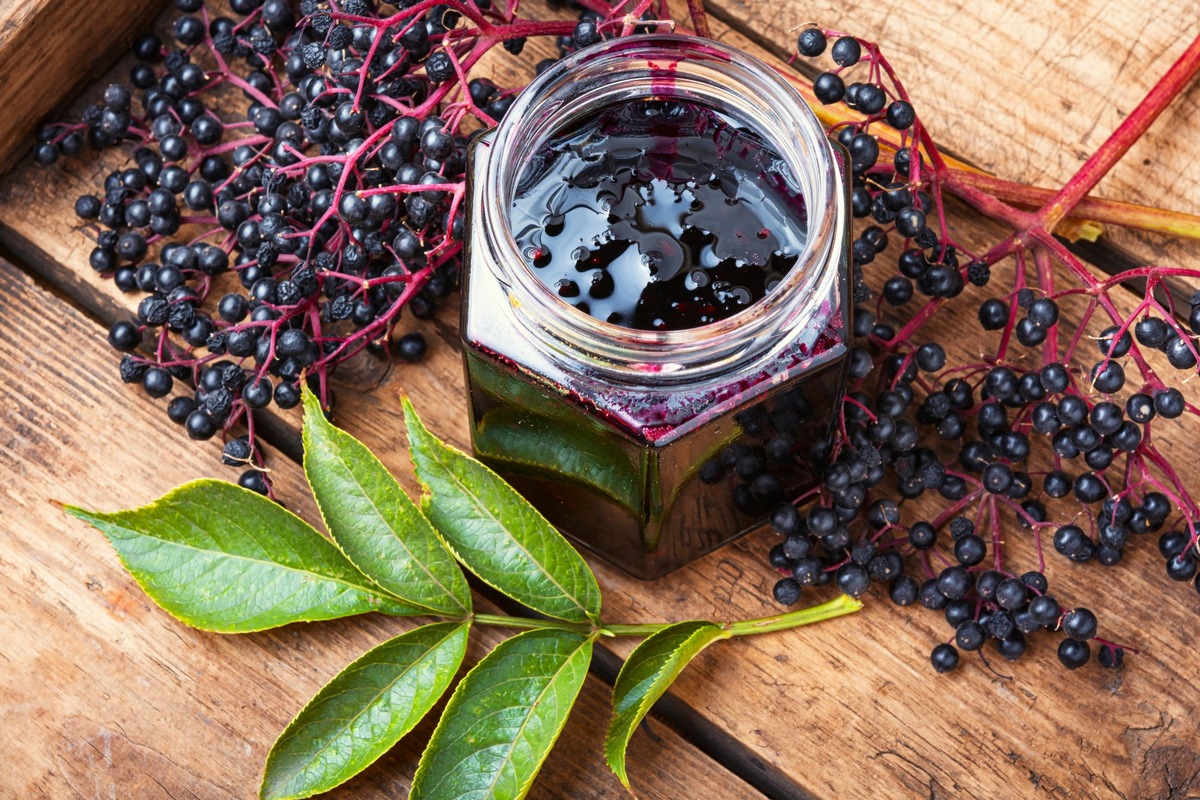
<point x="676" y="70"/>
<point x="659" y="215"/>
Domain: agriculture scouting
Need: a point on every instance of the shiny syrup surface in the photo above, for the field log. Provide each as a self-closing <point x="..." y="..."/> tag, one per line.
<point x="659" y="215"/>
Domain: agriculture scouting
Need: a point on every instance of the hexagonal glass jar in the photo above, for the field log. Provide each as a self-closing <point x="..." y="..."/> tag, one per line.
<point x="648" y="447"/>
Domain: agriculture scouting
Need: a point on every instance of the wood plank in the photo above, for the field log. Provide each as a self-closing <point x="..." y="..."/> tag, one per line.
<point x="859" y="692"/>
<point x="51" y="48"/>
<point x="1028" y="90"/>
<point x="112" y="697"/>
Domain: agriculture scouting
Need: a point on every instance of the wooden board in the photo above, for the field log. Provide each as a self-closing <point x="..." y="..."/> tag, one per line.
<point x="51" y="48"/>
<point x="104" y="694"/>
<point x="849" y="709"/>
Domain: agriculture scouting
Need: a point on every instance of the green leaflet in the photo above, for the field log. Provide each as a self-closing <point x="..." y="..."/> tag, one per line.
<point x="364" y="711"/>
<point x="503" y="719"/>
<point x="497" y="534"/>
<point x="222" y="558"/>
<point x="374" y="522"/>
<point x="648" y="672"/>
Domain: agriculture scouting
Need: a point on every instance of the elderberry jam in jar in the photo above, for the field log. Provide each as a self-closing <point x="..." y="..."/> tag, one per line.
<point x="656" y="306"/>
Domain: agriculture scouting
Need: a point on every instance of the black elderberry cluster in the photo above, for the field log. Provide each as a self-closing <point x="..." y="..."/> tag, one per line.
<point x="296" y="184"/>
<point x="277" y="186"/>
<point x="929" y="265"/>
<point x="912" y="426"/>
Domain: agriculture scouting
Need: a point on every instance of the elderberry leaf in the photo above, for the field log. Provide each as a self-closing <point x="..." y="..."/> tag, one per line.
<point x="222" y="558"/>
<point x="497" y="534"/>
<point x="364" y="711"/>
<point x="380" y="530"/>
<point x="503" y="718"/>
<point x="646" y="675"/>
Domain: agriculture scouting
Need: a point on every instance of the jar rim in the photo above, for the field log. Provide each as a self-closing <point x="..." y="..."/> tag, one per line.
<point x="667" y="66"/>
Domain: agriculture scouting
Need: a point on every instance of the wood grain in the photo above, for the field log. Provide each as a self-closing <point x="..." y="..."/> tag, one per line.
<point x="850" y="709"/>
<point x="104" y="694"/>
<point x="51" y="48"/>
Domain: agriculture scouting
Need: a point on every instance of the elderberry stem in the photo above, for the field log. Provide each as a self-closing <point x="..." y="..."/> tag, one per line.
<point x="1095" y="209"/>
<point x="526" y="623"/>
<point x="699" y="18"/>
<point x="838" y="607"/>
<point x="1128" y="132"/>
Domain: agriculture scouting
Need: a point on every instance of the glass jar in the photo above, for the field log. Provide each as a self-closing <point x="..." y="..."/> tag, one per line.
<point x="652" y="448"/>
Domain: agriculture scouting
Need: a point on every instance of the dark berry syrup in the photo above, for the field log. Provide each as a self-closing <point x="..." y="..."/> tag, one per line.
<point x="659" y="215"/>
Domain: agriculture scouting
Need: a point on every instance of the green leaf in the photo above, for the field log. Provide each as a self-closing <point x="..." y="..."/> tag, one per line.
<point x="497" y="534"/>
<point x="222" y="558"/>
<point x="364" y="711"/>
<point x="650" y="669"/>
<point x="503" y="719"/>
<point x="374" y="522"/>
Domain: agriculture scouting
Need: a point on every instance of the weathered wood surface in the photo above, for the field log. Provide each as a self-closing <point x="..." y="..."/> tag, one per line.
<point x="849" y="709"/>
<point x="48" y="49"/>
<point x="104" y="694"/>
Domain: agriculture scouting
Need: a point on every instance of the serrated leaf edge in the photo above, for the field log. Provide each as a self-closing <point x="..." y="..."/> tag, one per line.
<point x="333" y="536"/>
<point x="415" y="422"/>
<point x="586" y="641"/>
<point x="108" y="519"/>
<point x="614" y="746"/>
<point x="456" y="627"/>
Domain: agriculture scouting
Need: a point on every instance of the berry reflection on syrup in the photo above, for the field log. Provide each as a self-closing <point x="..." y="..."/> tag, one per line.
<point x="659" y="215"/>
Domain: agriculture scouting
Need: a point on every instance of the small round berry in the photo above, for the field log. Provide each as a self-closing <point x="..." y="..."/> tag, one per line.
<point x="1152" y="332"/>
<point x="179" y="408"/>
<point x="786" y="592"/>
<point x="1043" y="312"/>
<point x="157" y="382"/>
<point x="954" y="583"/>
<point x="124" y="336"/>
<point x="1073" y="654"/>
<point x="900" y="115"/>
<point x="811" y="42"/>
<point x="1079" y="624"/>
<point x="87" y="206"/>
<point x="853" y="579"/>
<point x="829" y="88"/>
<point x="970" y="635"/>
<point x="1089" y="488"/>
<point x="1045" y="611"/>
<point x="254" y="480"/>
<point x="586" y="34"/>
<point x="1179" y="353"/>
<point x="1012" y="594"/>
<point x="1182" y="567"/>
<point x="944" y="658"/>
<point x="1012" y="646"/>
<point x="237" y="452"/>
<point x="411" y="347"/>
<point x="287" y="395"/>
<point x="785" y="519"/>
<point x="1111" y="656"/>
<point x="1169" y="403"/>
<point x="903" y="590"/>
<point x="931" y="357"/>
<point x="997" y="478"/>
<point x="439" y="68"/>
<point x="200" y="425"/>
<point x="846" y="51"/>
<point x="993" y="314"/>
<point x="1114" y="348"/>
